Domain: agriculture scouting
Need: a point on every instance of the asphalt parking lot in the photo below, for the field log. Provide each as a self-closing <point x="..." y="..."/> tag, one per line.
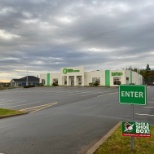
<point x="28" y="97"/>
<point x="64" y="120"/>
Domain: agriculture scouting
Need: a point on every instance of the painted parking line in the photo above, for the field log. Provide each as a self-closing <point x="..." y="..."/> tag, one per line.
<point x="103" y="93"/>
<point x="149" y="107"/>
<point x="144" y="114"/>
<point x="99" y="95"/>
<point x="13" y="103"/>
<point x="38" y="108"/>
<point x="107" y="94"/>
<point x="150" y="102"/>
<point x="57" y="91"/>
<point x="95" y="93"/>
<point x="42" y="108"/>
<point x="67" y="92"/>
<point x="34" y="107"/>
<point x="24" y="104"/>
<point x="80" y="93"/>
<point x="113" y="93"/>
<point x="2" y="102"/>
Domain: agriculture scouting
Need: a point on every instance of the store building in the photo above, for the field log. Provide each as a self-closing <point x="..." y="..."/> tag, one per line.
<point x="77" y="76"/>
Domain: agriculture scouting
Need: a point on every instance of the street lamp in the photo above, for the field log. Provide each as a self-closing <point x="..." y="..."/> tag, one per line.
<point x="27" y="79"/>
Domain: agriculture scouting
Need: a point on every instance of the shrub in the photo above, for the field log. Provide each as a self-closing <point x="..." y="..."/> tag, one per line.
<point x="94" y="84"/>
<point x="29" y="86"/>
<point x="90" y="84"/>
<point x="55" y="84"/>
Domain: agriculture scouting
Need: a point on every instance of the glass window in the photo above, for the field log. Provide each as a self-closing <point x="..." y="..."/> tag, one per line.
<point x="43" y="81"/>
<point x="80" y="80"/>
<point x="65" y="80"/>
<point x="96" y="80"/>
<point x="55" y="81"/>
<point x="116" y="81"/>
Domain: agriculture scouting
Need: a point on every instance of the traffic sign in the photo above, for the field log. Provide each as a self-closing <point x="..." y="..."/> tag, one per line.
<point x="133" y="94"/>
<point x="136" y="129"/>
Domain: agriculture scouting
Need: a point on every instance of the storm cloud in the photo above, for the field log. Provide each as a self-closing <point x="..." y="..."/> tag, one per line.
<point x="44" y="35"/>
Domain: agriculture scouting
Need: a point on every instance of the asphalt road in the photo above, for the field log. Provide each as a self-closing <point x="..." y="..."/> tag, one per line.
<point x="67" y="120"/>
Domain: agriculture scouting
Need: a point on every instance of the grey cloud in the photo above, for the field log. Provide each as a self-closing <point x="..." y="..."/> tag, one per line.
<point x="58" y="33"/>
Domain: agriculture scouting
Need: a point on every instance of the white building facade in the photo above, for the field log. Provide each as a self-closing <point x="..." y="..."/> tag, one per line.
<point x="76" y="76"/>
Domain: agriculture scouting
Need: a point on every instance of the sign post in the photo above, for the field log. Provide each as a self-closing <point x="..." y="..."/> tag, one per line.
<point x="132" y="138"/>
<point x="133" y="95"/>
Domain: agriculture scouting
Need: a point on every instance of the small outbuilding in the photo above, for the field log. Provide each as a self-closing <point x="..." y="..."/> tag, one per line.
<point x="27" y="80"/>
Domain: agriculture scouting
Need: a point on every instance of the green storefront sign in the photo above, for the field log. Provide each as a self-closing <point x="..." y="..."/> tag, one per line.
<point x="65" y="71"/>
<point x="132" y="94"/>
<point x="136" y="129"/>
<point x="116" y="73"/>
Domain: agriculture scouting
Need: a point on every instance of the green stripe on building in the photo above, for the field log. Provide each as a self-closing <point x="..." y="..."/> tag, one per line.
<point x="130" y="76"/>
<point x="107" y="77"/>
<point x="48" y="79"/>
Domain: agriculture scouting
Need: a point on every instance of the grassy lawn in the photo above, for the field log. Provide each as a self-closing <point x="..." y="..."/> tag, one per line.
<point x="5" y="88"/>
<point x="117" y="144"/>
<point x="7" y="112"/>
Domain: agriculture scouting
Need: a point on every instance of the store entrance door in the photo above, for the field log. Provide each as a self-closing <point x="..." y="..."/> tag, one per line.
<point x="72" y="80"/>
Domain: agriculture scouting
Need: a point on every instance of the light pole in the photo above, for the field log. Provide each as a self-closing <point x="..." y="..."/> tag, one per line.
<point x="27" y="79"/>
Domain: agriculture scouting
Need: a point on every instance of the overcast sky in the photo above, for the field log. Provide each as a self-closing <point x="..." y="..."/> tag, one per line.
<point x="44" y="35"/>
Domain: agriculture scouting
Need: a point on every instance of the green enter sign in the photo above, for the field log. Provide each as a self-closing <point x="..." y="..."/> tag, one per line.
<point x="132" y="94"/>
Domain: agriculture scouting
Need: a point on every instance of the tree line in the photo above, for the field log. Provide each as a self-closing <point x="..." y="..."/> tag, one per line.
<point x="147" y="73"/>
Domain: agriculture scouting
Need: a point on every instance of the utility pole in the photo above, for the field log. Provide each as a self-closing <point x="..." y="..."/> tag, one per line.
<point x="27" y="79"/>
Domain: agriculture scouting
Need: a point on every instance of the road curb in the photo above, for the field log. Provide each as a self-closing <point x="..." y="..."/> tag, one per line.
<point x="103" y="139"/>
<point x="9" y="116"/>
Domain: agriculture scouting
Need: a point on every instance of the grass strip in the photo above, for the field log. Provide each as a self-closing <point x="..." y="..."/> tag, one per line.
<point x="8" y="112"/>
<point x="117" y="144"/>
<point x="6" y="88"/>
